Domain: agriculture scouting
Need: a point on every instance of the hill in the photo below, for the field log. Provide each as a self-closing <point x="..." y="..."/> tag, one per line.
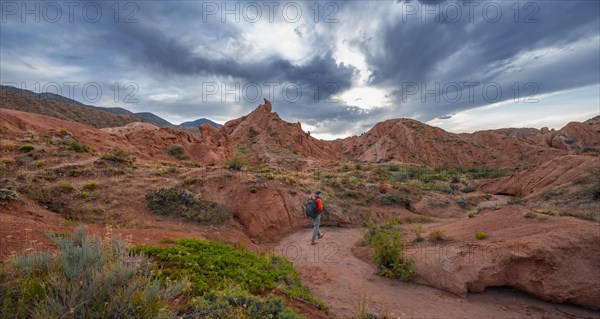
<point x="198" y="122"/>
<point x="61" y="110"/>
<point x="142" y="116"/>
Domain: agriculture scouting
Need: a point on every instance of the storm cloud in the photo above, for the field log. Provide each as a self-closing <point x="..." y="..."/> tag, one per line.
<point x="337" y="67"/>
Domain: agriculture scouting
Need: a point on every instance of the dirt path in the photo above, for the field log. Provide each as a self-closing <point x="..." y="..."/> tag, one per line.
<point x="344" y="282"/>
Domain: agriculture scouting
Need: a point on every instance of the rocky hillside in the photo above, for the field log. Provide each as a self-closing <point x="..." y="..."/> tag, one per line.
<point x="411" y="141"/>
<point x="63" y="111"/>
<point x="574" y="137"/>
<point x="265" y="137"/>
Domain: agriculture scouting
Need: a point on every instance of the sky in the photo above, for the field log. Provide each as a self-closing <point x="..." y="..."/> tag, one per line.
<point x="338" y="67"/>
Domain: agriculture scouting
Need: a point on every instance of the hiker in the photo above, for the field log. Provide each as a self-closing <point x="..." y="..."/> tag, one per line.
<point x="314" y="208"/>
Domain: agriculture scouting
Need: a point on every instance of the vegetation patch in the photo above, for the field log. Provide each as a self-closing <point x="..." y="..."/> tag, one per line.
<point x="185" y="204"/>
<point x="480" y="235"/>
<point x="176" y="151"/>
<point x="235" y="164"/>
<point x="118" y="155"/>
<point x="395" y="200"/>
<point x="213" y="268"/>
<point x="437" y="236"/>
<point x="252" y="133"/>
<point x="89" y="278"/>
<point x="26" y="148"/>
<point x="90" y="186"/>
<point x="389" y="249"/>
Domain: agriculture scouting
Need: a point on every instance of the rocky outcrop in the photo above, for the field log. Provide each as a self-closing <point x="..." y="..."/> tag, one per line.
<point x="267" y="138"/>
<point x="410" y="141"/>
<point x="552" y="174"/>
<point x="143" y="140"/>
<point x="546" y="258"/>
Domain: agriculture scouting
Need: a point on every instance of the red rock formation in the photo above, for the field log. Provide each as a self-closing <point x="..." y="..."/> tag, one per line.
<point x="552" y="174"/>
<point x="544" y="258"/>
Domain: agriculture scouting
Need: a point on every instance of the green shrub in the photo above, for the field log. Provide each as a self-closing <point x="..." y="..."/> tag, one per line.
<point x="190" y="180"/>
<point x="74" y="145"/>
<point x="213" y="267"/>
<point x="480" y="235"/>
<point x="26" y="148"/>
<point x="418" y="230"/>
<point x="91" y="185"/>
<point x="65" y="187"/>
<point x="7" y="195"/>
<point x="182" y="203"/>
<point x="594" y="189"/>
<point x="530" y="215"/>
<point x="84" y="195"/>
<point x="236" y="303"/>
<point x="387" y="242"/>
<point x="437" y="236"/>
<point x="235" y="164"/>
<point x="462" y="202"/>
<point x="176" y="151"/>
<point x="252" y="133"/>
<point x="393" y="200"/>
<point x="471" y="215"/>
<point x="118" y="155"/>
<point x="468" y="189"/>
<point x="88" y="278"/>
<point x="38" y="164"/>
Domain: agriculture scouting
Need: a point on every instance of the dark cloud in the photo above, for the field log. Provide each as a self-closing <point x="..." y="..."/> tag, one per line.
<point x="414" y="51"/>
<point x="170" y="50"/>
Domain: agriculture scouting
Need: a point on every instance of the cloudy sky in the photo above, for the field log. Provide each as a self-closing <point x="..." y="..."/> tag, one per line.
<point x="337" y="67"/>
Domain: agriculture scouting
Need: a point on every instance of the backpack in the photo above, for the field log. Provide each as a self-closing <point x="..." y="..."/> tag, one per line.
<point x="311" y="208"/>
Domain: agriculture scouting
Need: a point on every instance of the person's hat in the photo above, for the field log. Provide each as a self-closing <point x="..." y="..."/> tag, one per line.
<point x="318" y="193"/>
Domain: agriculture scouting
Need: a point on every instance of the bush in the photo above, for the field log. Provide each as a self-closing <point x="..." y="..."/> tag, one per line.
<point x="393" y="200"/>
<point x="65" y="187"/>
<point x="252" y="133"/>
<point x="90" y="185"/>
<point x="74" y="145"/>
<point x="190" y="180"/>
<point x="213" y="266"/>
<point x="530" y="215"/>
<point x="182" y="203"/>
<point x="176" y="151"/>
<point x="88" y="278"/>
<point x="437" y="236"/>
<point x="236" y="303"/>
<point x="26" y="148"/>
<point x="7" y="195"/>
<point x="118" y="155"/>
<point x="594" y="189"/>
<point x="417" y="229"/>
<point x="480" y="235"/>
<point x="235" y="164"/>
<point x="387" y="242"/>
<point x="462" y="202"/>
<point x="471" y="215"/>
<point x="468" y="189"/>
